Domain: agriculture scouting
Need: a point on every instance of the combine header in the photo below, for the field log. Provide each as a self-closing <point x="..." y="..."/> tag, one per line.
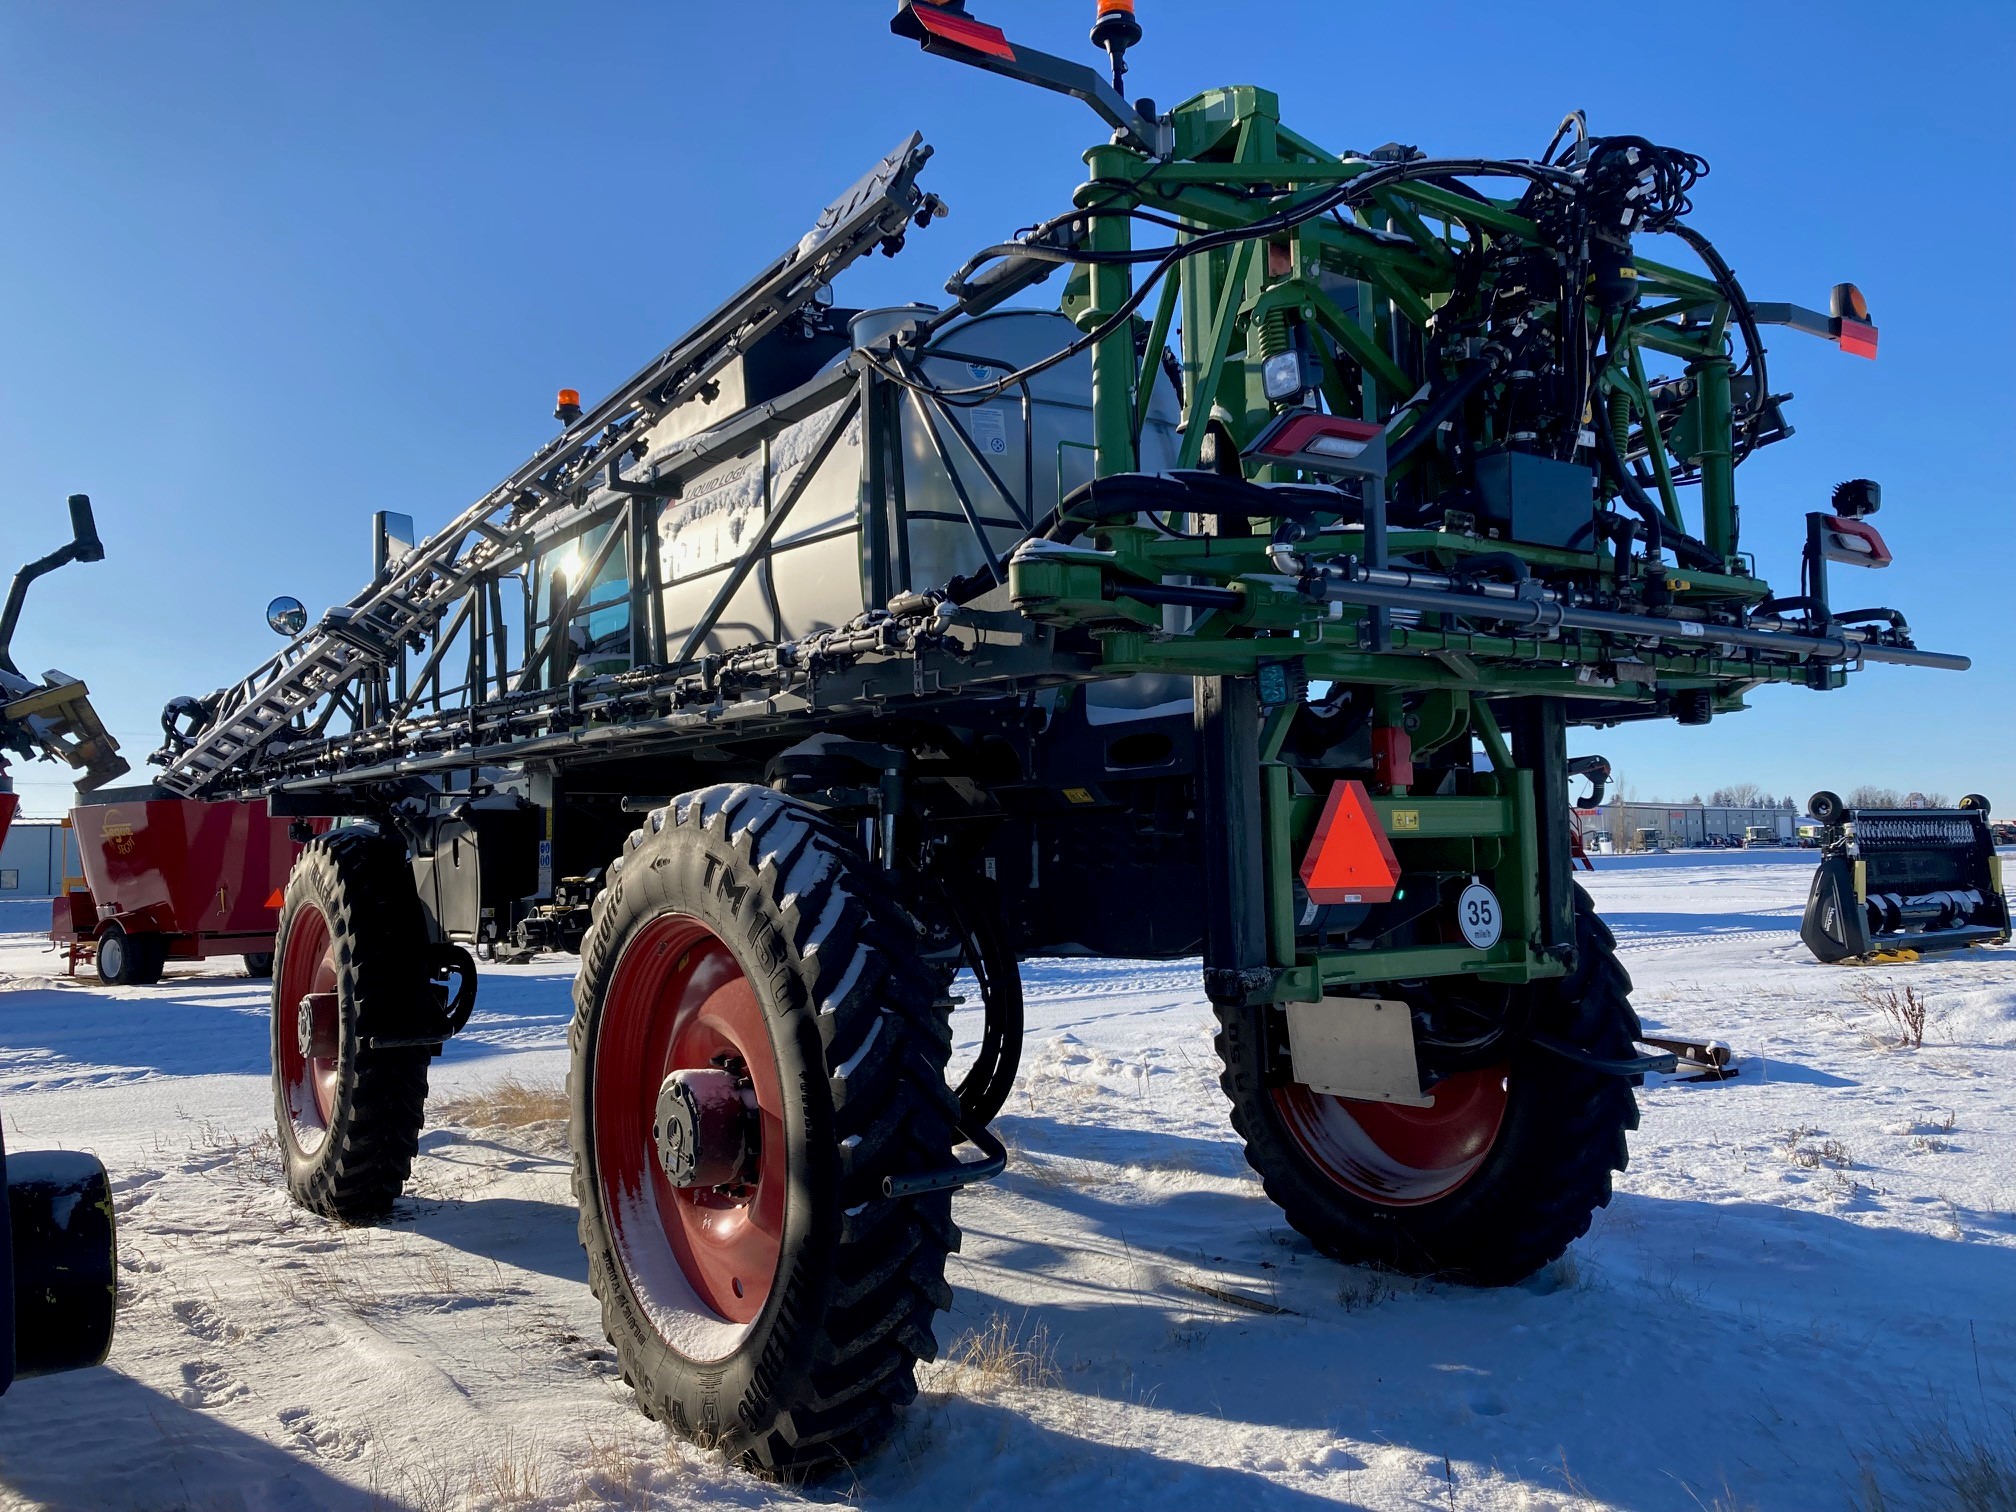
<point x="839" y="650"/>
<point x="1895" y="880"/>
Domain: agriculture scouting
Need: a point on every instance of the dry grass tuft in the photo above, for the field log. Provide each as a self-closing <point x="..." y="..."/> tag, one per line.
<point x="514" y="1476"/>
<point x="1944" y="1464"/>
<point x="220" y="1154"/>
<point x="505" y="1475"/>
<point x="533" y="1115"/>
<point x="627" y="1474"/>
<point x="1000" y="1354"/>
<point x="1808" y="1156"/>
<point x="1907" y="1014"/>
<point x="508" y="1104"/>
<point x="1365" y="1289"/>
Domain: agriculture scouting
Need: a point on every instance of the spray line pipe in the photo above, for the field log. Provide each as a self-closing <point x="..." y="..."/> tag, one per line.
<point x="1532" y="607"/>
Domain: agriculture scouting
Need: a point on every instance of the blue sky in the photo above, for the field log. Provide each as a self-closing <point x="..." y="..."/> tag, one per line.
<point x="271" y="267"/>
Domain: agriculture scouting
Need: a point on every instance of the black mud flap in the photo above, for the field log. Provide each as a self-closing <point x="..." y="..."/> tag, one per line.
<point x="1835" y="927"/>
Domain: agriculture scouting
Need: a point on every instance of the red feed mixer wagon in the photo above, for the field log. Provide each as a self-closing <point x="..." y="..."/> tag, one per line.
<point x="173" y="879"/>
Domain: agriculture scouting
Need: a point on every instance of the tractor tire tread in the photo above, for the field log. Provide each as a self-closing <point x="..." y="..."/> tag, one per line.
<point x="841" y="1351"/>
<point x="380" y="938"/>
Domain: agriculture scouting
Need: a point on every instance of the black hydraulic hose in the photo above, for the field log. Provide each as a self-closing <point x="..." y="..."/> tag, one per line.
<point x="1659" y="533"/>
<point x="1491" y="561"/>
<point x="1165" y="259"/>
<point x="1641" y="1065"/>
<point x="1803" y="603"/>
<point x="1187" y="493"/>
<point x="1469" y="378"/>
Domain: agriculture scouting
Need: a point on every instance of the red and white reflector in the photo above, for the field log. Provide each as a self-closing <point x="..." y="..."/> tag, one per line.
<point x="936" y="25"/>
<point x="1853" y="542"/>
<point x="1853" y="328"/>
<point x="1349" y="859"/>
<point x="1320" y="443"/>
<point x="1858" y="338"/>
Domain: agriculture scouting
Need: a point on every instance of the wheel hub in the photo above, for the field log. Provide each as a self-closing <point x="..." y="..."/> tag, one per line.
<point x="315" y="1026"/>
<point x="704" y="1128"/>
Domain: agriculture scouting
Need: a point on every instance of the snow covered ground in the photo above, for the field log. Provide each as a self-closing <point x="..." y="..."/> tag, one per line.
<point x="1803" y="1268"/>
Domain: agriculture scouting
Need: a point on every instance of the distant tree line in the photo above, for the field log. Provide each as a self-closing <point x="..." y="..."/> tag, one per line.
<point x="1750" y="795"/>
<point x="1883" y="797"/>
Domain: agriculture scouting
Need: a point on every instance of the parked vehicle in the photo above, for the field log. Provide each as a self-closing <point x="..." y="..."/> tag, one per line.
<point x="845" y="649"/>
<point x="168" y="878"/>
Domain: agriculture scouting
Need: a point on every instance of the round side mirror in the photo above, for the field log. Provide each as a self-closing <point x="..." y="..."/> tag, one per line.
<point x="286" y="616"/>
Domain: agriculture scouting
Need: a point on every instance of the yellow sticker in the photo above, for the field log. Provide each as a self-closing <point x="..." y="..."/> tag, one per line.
<point x="1406" y="819"/>
<point x="1078" y="795"/>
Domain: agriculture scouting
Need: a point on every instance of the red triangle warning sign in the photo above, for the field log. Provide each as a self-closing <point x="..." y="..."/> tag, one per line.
<point x="278" y="899"/>
<point x="1350" y="859"/>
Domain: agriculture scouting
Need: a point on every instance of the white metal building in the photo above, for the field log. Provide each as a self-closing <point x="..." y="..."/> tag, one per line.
<point x="1617" y="826"/>
<point x="31" y="859"/>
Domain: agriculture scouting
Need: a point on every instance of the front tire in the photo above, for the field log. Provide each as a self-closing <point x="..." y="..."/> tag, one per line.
<point x="1494" y="1181"/>
<point x="351" y="965"/>
<point x="763" y="1296"/>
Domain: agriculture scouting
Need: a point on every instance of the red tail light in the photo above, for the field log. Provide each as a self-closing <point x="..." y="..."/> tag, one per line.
<point x="1322" y="443"/>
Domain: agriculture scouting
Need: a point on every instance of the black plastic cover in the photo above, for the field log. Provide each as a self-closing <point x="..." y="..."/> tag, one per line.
<point x="1537" y="500"/>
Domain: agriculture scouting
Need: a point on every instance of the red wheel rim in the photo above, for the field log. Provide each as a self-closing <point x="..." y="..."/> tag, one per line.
<point x="1397" y="1156"/>
<point x="307" y="967"/>
<point x="701" y="1260"/>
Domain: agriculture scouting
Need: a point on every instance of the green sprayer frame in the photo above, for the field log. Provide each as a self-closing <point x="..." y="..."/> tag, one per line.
<point x="1394" y="293"/>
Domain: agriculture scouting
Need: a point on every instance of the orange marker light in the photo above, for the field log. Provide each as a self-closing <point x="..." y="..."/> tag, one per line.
<point x="571" y="396"/>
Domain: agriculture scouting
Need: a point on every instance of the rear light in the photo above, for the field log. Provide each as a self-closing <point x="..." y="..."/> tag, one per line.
<point x="1336" y="446"/>
<point x="1853" y="542"/>
<point x="1855" y="331"/>
<point x="1332" y="444"/>
<point x="938" y="25"/>
<point x="1858" y="338"/>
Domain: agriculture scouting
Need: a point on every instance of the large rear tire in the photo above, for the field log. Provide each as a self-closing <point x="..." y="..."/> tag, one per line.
<point x="1497" y="1179"/>
<point x="351" y="964"/>
<point x="750" y="982"/>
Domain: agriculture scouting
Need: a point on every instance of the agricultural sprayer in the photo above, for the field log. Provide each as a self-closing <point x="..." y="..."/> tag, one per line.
<point x="840" y="650"/>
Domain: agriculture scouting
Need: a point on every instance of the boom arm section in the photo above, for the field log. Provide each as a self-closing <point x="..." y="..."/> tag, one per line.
<point x="336" y="668"/>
